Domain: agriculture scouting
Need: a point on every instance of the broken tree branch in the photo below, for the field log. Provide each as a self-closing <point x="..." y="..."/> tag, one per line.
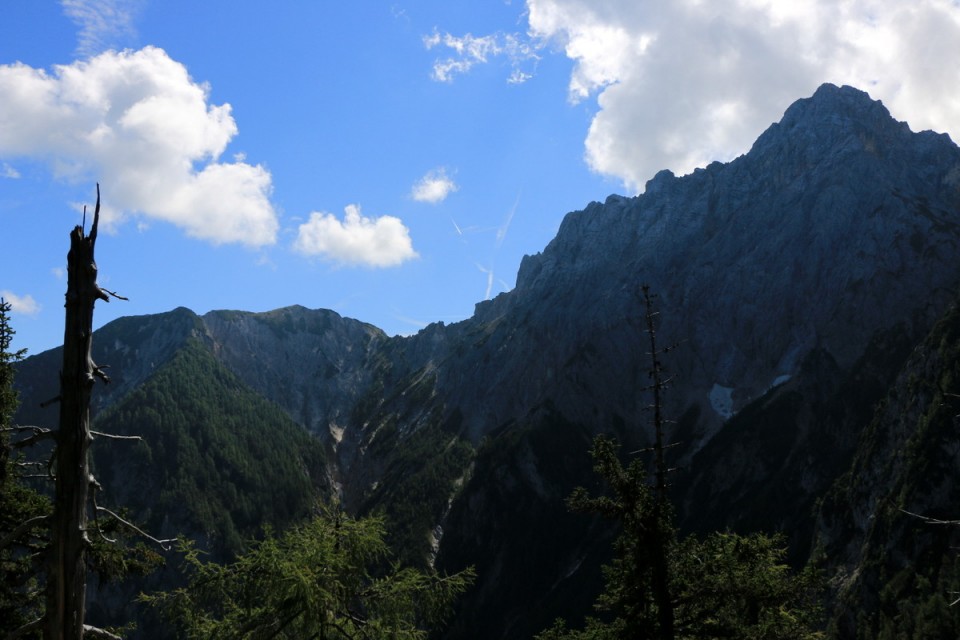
<point x="94" y="486"/>
<point x="97" y="632"/>
<point x="39" y="434"/>
<point x="114" y="294"/>
<point x="164" y="544"/>
<point x="930" y="520"/>
<point x="112" y="436"/>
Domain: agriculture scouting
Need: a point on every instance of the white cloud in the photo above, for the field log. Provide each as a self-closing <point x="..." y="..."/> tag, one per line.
<point x="357" y="240"/>
<point x="7" y="171"/>
<point x="433" y="187"/>
<point x="103" y="24"/>
<point x="136" y="122"/>
<point x="680" y="84"/>
<point x="469" y="50"/>
<point x="25" y="305"/>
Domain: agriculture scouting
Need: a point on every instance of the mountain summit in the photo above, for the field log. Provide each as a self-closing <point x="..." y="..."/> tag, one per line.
<point x="794" y="280"/>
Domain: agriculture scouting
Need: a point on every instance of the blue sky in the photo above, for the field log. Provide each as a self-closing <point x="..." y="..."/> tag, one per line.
<point x="392" y="160"/>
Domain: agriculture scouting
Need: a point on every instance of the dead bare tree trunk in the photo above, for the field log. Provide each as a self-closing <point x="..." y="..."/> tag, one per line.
<point x="67" y="575"/>
<point x="660" y="534"/>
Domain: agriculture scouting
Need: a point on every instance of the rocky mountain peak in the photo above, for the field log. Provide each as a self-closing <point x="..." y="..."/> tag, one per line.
<point x="835" y="105"/>
<point x="837" y="123"/>
<point x="835" y="196"/>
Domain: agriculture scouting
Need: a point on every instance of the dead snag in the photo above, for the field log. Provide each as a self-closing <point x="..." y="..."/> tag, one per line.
<point x="66" y="584"/>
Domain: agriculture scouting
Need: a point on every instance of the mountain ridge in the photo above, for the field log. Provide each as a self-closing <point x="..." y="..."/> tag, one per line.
<point x="786" y="277"/>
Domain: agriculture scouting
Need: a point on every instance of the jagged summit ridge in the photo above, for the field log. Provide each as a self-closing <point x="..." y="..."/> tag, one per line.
<point x="832" y="114"/>
<point x="761" y="259"/>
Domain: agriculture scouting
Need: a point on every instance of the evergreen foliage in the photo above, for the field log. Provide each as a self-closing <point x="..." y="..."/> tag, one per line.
<point x="420" y="477"/>
<point x="317" y="580"/>
<point x="8" y="395"/>
<point x="21" y="597"/>
<point x="630" y="589"/>
<point x="216" y="460"/>
<point x="722" y="586"/>
<point x="21" y="590"/>
<point x="734" y="586"/>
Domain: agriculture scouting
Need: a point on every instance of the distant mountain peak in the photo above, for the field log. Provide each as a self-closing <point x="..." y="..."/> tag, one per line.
<point x="830" y="101"/>
<point x="834" y="119"/>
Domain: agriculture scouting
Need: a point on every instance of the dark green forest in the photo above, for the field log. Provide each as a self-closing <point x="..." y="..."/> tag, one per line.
<point x="213" y="454"/>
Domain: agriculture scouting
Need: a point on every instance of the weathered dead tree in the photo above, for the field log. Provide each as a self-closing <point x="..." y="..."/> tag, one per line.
<point x="75" y="487"/>
<point x="661" y="531"/>
<point x="66" y="566"/>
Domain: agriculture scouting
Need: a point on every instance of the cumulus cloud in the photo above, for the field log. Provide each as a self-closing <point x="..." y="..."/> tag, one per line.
<point x="680" y="84"/>
<point x="24" y="305"/>
<point x="137" y="122"/>
<point x="103" y="24"/>
<point x="434" y="187"/>
<point x="357" y="240"/>
<point x="469" y="50"/>
<point x="6" y="171"/>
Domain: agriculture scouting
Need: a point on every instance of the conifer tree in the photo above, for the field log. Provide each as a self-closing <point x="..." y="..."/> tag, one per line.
<point x="8" y="395"/>
<point x="22" y="510"/>
<point x="329" y="578"/>
<point x="659" y="586"/>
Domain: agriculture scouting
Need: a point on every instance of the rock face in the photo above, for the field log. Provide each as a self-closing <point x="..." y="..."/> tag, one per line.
<point x="883" y="524"/>
<point x="794" y="281"/>
<point x="779" y="252"/>
<point x="314" y="364"/>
